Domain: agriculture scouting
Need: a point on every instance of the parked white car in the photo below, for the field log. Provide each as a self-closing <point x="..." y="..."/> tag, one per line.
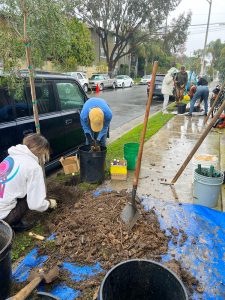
<point x="124" y="81"/>
<point x="79" y="76"/>
<point x="146" y="79"/>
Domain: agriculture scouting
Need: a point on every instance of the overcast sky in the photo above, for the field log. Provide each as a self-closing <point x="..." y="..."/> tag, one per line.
<point x="200" y="9"/>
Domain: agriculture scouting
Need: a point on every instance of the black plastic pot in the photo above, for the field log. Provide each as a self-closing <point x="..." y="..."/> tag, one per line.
<point x="6" y="235"/>
<point x="141" y="280"/>
<point x="181" y="108"/>
<point x="92" y="164"/>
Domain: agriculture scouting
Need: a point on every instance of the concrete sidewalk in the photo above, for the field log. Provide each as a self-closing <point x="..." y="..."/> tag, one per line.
<point x="165" y="152"/>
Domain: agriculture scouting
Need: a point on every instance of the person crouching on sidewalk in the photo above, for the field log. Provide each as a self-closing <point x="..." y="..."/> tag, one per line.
<point x="168" y="87"/>
<point x="202" y="92"/>
<point x="22" y="184"/>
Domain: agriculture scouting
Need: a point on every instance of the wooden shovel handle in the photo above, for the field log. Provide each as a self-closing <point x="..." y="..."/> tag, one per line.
<point x="142" y="139"/>
<point x="28" y="289"/>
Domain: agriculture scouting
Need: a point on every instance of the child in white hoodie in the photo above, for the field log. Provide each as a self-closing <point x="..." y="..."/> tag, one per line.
<point x="22" y="184"/>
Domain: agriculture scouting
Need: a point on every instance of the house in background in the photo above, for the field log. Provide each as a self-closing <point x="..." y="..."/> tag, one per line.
<point x="100" y="63"/>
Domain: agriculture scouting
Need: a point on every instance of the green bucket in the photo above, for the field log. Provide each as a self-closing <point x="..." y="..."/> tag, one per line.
<point x="130" y="154"/>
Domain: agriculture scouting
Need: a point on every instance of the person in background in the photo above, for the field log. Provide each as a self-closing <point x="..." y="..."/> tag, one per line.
<point x="180" y="83"/>
<point x="95" y="120"/>
<point x="202" y="92"/>
<point x="22" y="184"/>
<point x="168" y="87"/>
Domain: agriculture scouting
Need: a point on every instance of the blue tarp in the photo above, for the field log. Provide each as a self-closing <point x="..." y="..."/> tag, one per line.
<point x="203" y="253"/>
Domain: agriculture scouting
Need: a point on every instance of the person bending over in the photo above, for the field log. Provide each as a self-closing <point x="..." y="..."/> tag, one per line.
<point x="95" y="119"/>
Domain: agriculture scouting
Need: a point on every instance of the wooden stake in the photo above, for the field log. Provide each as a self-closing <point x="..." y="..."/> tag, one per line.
<point x="214" y="103"/>
<point x="199" y="142"/>
<point x="27" y="41"/>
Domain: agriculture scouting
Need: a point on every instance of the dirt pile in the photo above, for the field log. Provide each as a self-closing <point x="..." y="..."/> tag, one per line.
<point x="91" y="230"/>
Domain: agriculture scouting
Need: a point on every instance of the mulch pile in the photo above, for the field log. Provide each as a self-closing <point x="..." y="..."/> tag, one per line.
<point x="89" y="229"/>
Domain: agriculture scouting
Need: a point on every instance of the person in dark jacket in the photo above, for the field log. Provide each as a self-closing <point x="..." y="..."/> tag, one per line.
<point x="95" y="118"/>
<point x="180" y="83"/>
<point x="202" y="92"/>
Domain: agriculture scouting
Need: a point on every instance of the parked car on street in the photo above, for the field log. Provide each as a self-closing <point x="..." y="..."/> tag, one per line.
<point x="158" y="85"/>
<point x="103" y="81"/>
<point x="81" y="77"/>
<point x="145" y="79"/>
<point x="124" y="81"/>
<point x="60" y="99"/>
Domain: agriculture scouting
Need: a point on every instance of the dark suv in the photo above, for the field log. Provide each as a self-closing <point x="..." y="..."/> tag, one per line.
<point x="60" y="99"/>
<point x="158" y="85"/>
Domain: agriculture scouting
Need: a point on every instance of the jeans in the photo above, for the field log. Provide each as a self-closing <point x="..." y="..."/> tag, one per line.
<point x="203" y="93"/>
<point x="17" y="213"/>
<point x="165" y="102"/>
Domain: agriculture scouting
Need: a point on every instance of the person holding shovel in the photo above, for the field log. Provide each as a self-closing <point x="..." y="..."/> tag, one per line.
<point x="22" y="184"/>
<point x="95" y="118"/>
<point x="180" y="82"/>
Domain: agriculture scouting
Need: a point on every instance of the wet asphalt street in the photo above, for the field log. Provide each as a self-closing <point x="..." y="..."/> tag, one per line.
<point x="127" y="104"/>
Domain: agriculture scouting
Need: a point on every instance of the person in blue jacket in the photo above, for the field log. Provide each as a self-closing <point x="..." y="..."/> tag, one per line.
<point x="95" y="119"/>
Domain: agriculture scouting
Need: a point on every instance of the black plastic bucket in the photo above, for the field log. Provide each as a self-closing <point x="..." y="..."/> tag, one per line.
<point x="141" y="280"/>
<point x="92" y="164"/>
<point x="5" y="259"/>
<point x="181" y="108"/>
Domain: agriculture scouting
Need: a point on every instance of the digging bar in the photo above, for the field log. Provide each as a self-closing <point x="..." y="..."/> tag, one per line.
<point x="130" y="213"/>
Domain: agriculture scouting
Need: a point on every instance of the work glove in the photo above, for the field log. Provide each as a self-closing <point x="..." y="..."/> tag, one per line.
<point x="89" y="139"/>
<point x="53" y="203"/>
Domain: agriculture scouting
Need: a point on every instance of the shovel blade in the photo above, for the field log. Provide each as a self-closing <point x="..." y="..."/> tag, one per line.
<point x="130" y="215"/>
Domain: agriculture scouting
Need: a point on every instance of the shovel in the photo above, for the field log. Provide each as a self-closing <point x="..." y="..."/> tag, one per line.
<point x="36" y="277"/>
<point x="130" y="213"/>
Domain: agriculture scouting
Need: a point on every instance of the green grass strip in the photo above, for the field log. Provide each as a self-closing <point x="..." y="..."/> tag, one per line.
<point x="157" y="121"/>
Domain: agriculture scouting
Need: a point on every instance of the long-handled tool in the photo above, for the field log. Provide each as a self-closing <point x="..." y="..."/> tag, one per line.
<point x="36" y="278"/>
<point x="197" y="145"/>
<point x="130" y="213"/>
<point x="214" y="103"/>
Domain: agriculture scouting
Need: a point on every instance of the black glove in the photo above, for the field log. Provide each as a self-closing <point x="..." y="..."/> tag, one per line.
<point x="89" y="139"/>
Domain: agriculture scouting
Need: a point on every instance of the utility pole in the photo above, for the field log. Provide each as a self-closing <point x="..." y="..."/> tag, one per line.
<point x="206" y="37"/>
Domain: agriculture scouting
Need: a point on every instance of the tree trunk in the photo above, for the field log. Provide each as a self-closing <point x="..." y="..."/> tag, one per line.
<point x="146" y="66"/>
<point x="111" y="68"/>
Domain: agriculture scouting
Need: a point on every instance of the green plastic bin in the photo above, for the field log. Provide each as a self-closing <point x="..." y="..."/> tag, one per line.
<point x="130" y="154"/>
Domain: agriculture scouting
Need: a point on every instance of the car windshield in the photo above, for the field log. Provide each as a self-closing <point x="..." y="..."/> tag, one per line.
<point x="147" y="77"/>
<point x="97" y="77"/>
<point x="160" y="77"/>
<point x="120" y="77"/>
